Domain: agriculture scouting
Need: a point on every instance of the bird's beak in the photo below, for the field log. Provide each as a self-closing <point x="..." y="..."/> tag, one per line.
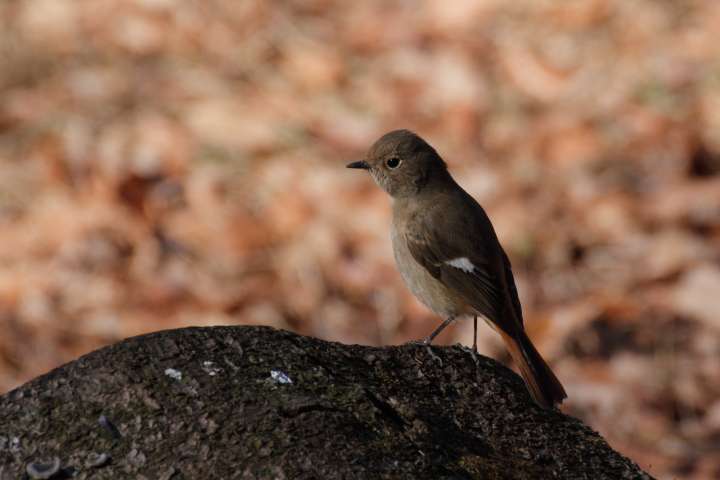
<point x="359" y="164"/>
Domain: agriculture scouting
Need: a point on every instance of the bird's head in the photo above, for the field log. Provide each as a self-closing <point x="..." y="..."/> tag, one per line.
<point x="402" y="163"/>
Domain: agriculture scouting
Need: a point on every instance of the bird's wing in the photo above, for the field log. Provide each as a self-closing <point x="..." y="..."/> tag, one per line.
<point x="465" y="263"/>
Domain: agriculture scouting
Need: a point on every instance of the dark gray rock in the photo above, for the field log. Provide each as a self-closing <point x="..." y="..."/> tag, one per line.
<point x="253" y="402"/>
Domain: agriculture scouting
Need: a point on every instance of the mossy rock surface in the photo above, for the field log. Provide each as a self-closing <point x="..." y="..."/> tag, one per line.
<point x="254" y="402"/>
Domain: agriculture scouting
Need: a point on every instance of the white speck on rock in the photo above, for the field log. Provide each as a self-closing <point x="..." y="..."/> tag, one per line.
<point x="280" y="377"/>
<point x="97" y="460"/>
<point x="41" y="471"/>
<point x="174" y="374"/>
<point x="14" y="444"/>
<point x="210" y="368"/>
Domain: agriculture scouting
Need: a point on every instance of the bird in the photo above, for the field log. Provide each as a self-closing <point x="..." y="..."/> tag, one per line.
<point x="449" y="255"/>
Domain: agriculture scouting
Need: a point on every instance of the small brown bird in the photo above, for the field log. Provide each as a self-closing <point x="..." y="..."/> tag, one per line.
<point x="448" y="253"/>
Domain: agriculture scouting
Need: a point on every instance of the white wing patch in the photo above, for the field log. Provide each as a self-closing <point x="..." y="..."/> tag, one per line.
<point x="463" y="263"/>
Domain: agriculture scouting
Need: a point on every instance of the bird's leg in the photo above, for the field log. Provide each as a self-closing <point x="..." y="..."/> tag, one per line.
<point x="428" y="340"/>
<point x="475" y="334"/>
<point x="474" y="348"/>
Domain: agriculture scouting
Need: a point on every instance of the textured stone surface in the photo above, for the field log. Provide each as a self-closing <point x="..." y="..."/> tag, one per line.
<point x="253" y="402"/>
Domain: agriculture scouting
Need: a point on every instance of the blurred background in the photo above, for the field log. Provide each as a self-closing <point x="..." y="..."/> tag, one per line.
<point x="170" y="163"/>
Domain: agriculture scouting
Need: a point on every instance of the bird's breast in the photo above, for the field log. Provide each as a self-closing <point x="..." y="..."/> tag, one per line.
<point x="429" y="290"/>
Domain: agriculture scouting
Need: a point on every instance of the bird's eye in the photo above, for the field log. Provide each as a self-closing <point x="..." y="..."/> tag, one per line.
<point x="393" y="162"/>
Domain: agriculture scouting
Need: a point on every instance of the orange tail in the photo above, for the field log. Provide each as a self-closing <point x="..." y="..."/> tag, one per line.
<point x="542" y="383"/>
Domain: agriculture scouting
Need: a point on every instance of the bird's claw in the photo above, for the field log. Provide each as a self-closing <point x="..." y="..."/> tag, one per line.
<point x="474" y="355"/>
<point x="425" y="342"/>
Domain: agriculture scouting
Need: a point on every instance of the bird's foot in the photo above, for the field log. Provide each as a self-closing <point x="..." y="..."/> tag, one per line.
<point x="425" y="342"/>
<point x="474" y="355"/>
<point x="473" y="351"/>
